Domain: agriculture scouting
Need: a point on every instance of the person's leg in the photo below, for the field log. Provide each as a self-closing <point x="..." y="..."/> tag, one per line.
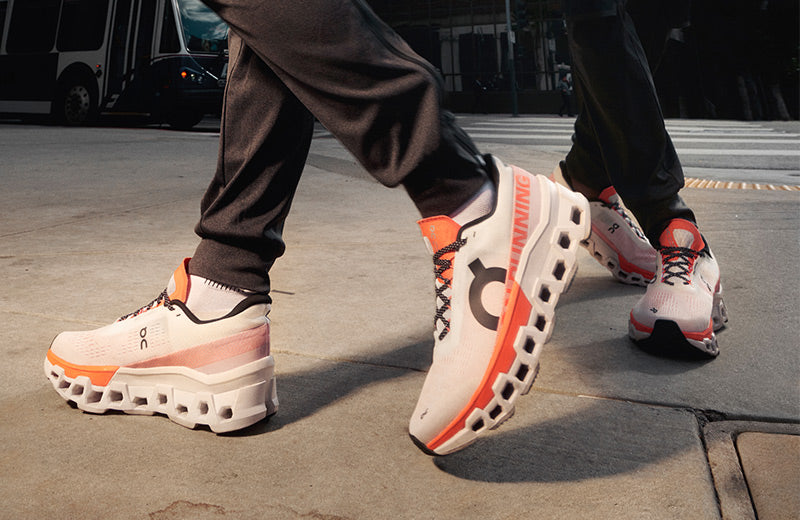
<point x="265" y="135"/>
<point x="616" y="241"/>
<point x="369" y="89"/>
<point x="688" y="274"/>
<point x="623" y="114"/>
<point x="583" y="168"/>
<point x="363" y="83"/>
<point x="624" y="117"/>
<point x="653" y="25"/>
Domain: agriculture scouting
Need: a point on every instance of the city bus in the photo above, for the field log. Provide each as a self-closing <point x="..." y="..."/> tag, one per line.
<point x="77" y="59"/>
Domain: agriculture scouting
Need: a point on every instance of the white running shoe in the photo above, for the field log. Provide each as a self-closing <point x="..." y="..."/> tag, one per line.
<point x="616" y="241"/>
<point x="498" y="279"/>
<point x="162" y="359"/>
<point x="683" y="307"/>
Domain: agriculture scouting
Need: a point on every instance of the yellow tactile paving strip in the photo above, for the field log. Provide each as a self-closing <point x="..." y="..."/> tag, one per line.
<point x="731" y="185"/>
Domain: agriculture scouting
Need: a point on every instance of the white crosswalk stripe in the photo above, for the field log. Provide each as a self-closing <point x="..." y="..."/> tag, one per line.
<point x="557" y="132"/>
<point x="714" y="150"/>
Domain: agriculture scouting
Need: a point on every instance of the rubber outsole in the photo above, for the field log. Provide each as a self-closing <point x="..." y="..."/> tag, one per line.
<point x="668" y="341"/>
<point x="225" y="402"/>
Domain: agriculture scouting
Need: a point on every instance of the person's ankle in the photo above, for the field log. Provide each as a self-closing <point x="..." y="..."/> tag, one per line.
<point x="479" y="205"/>
<point x="208" y="299"/>
<point x="562" y="175"/>
<point x="586" y="191"/>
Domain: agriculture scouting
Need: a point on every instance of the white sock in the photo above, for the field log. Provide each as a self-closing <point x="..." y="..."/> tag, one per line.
<point x="479" y="205"/>
<point x="208" y="299"/>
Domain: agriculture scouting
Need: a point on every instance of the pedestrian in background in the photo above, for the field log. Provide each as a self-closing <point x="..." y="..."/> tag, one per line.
<point x="565" y="89"/>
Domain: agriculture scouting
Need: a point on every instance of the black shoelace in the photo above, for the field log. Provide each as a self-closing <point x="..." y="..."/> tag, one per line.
<point x="161" y="298"/>
<point x="678" y="263"/>
<point x="622" y="213"/>
<point x="443" y="287"/>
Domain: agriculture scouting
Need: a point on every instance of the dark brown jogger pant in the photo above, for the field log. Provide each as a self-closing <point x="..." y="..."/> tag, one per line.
<point x="332" y="60"/>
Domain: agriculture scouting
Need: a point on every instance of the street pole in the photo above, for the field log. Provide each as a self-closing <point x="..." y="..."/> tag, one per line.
<point x="511" y="39"/>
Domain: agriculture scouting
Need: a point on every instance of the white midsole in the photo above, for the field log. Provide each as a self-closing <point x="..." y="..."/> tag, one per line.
<point x="224" y="401"/>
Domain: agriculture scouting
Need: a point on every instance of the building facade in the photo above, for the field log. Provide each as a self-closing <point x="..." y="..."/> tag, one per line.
<point x="738" y="59"/>
<point x="468" y="41"/>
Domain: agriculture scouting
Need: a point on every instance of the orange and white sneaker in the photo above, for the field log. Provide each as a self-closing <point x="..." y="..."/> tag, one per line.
<point x="616" y="241"/>
<point x="683" y="308"/>
<point x="163" y="359"/>
<point x="498" y="279"/>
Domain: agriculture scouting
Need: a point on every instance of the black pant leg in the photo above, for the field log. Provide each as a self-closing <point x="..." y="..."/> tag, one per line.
<point x="625" y="120"/>
<point x="369" y="89"/>
<point x="265" y="134"/>
<point x="584" y="161"/>
<point x="336" y="60"/>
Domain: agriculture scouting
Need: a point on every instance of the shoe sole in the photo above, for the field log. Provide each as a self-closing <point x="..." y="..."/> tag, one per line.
<point x="544" y="273"/>
<point x="667" y="339"/>
<point x="623" y="270"/>
<point x="224" y="401"/>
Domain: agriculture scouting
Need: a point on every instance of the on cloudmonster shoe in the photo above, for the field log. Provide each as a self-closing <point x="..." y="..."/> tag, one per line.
<point x="682" y="309"/>
<point x="498" y="279"/>
<point x="163" y="359"/>
<point x="616" y="241"/>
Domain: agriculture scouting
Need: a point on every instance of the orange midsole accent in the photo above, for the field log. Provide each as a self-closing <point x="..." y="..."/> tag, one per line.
<point x="502" y="359"/>
<point x="99" y="375"/>
<point x="632" y="268"/>
<point x="640" y="326"/>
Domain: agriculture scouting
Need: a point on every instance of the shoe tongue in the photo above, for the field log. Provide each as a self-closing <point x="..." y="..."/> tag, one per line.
<point x="178" y="286"/>
<point x="682" y="233"/>
<point x="439" y="232"/>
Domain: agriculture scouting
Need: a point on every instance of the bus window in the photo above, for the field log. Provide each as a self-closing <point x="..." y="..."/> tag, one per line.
<point x="83" y="25"/>
<point x="3" y="8"/>
<point x="33" y="26"/>
<point x="203" y="30"/>
<point x="169" y="33"/>
<point x="119" y="41"/>
<point x="144" y="35"/>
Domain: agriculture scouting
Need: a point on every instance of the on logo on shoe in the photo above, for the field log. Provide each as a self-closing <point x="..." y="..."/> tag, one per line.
<point x="483" y="277"/>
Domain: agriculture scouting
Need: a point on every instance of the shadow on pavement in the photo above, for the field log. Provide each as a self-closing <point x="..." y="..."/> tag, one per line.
<point x="302" y="394"/>
<point x="602" y="439"/>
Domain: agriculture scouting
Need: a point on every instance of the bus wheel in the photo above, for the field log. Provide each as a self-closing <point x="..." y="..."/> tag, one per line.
<point x="75" y="105"/>
<point x="184" y="119"/>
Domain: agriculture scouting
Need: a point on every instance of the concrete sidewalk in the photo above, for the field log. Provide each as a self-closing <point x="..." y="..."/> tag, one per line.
<point x="96" y="219"/>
